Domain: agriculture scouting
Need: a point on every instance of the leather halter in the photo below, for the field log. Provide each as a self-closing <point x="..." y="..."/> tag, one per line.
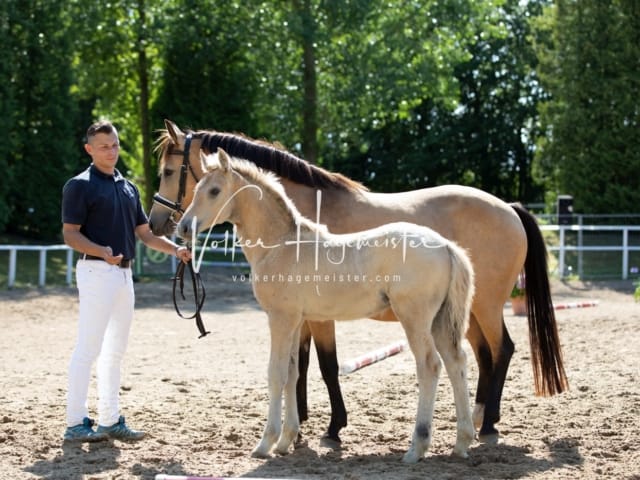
<point x="176" y="207"/>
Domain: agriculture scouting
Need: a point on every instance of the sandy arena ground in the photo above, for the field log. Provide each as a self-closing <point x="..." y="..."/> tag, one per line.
<point x="204" y="402"/>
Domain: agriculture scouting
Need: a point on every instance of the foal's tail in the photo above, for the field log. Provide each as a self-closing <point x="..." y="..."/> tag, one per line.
<point x="546" y="355"/>
<point x="457" y="304"/>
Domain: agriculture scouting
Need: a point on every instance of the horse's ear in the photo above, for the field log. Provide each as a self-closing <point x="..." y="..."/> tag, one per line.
<point x="225" y="161"/>
<point x="173" y="130"/>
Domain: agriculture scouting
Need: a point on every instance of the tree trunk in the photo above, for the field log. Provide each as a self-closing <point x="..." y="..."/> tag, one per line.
<point x="145" y="129"/>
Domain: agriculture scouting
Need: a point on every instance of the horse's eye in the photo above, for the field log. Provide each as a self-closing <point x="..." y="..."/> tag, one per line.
<point x="214" y="191"/>
<point x="167" y="173"/>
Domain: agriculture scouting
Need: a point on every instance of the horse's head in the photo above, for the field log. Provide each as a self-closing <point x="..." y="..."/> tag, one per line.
<point x="180" y="169"/>
<point x="212" y="201"/>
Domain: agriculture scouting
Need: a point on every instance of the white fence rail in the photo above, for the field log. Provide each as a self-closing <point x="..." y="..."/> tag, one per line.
<point x="624" y="247"/>
<point x="43" y="249"/>
<point x="42" y="264"/>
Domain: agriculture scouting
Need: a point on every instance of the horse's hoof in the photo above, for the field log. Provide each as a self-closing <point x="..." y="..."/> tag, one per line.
<point x="330" y="442"/>
<point x="332" y="436"/>
<point x="489" y="438"/>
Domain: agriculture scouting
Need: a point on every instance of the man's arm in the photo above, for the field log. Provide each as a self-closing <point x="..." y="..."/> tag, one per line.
<point x="162" y="244"/>
<point x="79" y="242"/>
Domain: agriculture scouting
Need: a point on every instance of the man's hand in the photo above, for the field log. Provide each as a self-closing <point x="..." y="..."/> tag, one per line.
<point x="183" y="253"/>
<point x="110" y="258"/>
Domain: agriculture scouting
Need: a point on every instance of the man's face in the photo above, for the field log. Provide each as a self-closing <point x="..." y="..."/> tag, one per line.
<point x="103" y="149"/>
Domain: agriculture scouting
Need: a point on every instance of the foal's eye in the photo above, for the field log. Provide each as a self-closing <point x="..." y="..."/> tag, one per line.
<point x="167" y="173"/>
<point x="214" y="191"/>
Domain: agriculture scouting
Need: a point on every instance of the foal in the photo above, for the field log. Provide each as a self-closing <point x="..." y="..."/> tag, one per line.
<point x="301" y="271"/>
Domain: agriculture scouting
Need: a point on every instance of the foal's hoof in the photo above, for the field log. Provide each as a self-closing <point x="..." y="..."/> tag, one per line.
<point x="460" y="453"/>
<point x="411" y="457"/>
<point x="260" y="454"/>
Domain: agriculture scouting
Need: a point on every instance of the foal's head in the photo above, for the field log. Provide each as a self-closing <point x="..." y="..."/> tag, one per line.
<point x="213" y="196"/>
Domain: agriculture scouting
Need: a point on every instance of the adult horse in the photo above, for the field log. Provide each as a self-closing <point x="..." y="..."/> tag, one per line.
<point x="501" y="239"/>
<point x="298" y="262"/>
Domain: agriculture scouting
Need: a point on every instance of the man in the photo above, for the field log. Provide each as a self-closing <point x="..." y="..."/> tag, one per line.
<point x="102" y="215"/>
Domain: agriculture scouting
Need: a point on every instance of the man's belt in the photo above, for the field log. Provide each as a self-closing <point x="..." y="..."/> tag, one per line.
<point x="126" y="263"/>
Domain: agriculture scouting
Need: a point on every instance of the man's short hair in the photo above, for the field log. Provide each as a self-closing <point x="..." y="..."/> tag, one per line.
<point x="103" y="126"/>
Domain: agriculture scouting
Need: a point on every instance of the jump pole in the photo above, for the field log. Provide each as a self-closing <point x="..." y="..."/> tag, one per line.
<point x="566" y="306"/>
<point x="372" y="357"/>
<point x="162" y="476"/>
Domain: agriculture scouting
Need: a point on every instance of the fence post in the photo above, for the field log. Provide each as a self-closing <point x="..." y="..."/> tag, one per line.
<point x="561" y="252"/>
<point x="69" y="266"/>
<point x="42" y="268"/>
<point x="11" y="280"/>
<point x="625" y="253"/>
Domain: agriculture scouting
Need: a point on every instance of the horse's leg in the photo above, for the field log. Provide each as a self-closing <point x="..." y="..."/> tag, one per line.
<point x="455" y="362"/>
<point x="291" y="424"/>
<point x="282" y="331"/>
<point x="324" y="338"/>
<point x="499" y="348"/>
<point x="303" y="368"/>
<point x="482" y="353"/>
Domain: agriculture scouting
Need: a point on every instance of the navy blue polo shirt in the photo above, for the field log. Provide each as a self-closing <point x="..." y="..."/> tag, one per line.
<point x="107" y="207"/>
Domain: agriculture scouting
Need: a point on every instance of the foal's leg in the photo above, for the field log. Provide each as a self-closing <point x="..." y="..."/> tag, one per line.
<point x="291" y="425"/>
<point x="455" y="362"/>
<point x="418" y="331"/>
<point x="282" y="330"/>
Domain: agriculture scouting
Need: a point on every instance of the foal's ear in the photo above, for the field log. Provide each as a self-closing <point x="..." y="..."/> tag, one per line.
<point x="173" y="130"/>
<point x="225" y="161"/>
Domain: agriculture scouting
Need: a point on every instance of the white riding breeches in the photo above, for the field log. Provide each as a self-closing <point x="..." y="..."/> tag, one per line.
<point x="105" y="314"/>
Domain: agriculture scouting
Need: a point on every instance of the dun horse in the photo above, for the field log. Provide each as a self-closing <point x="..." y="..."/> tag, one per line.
<point x="305" y="272"/>
<point x="501" y="239"/>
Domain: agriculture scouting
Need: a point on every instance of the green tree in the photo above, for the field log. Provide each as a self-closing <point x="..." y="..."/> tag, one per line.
<point x="7" y="107"/>
<point x="38" y="112"/>
<point x="479" y="129"/>
<point x="590" y="63"/>
<point x="117" y="68"/>
<point x="208" y="80"/>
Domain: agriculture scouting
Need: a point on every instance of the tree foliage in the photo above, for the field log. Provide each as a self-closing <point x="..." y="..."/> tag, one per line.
<point x="38" y="115"/>
<point x="397" y="94"/>
<point x="483" y="132"/>
<point x="590" y="64"/>
<point x="208" y="80"/>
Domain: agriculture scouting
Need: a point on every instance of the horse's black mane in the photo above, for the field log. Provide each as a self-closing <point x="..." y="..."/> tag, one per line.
<point x="274" y="159"/>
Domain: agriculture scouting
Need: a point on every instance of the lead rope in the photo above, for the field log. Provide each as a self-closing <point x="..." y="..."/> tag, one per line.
<point x="198" y="292"/>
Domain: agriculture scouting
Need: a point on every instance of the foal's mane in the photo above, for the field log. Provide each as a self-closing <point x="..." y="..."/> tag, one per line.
<point x="267" y="180"/>
<point x="271" y="157"/>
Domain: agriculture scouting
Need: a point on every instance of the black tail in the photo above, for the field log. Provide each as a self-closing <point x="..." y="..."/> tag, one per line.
<point x="546" y="354"/>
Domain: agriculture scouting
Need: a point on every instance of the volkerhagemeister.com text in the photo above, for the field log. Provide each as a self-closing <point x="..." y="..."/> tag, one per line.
<point x="315" y="278"/>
